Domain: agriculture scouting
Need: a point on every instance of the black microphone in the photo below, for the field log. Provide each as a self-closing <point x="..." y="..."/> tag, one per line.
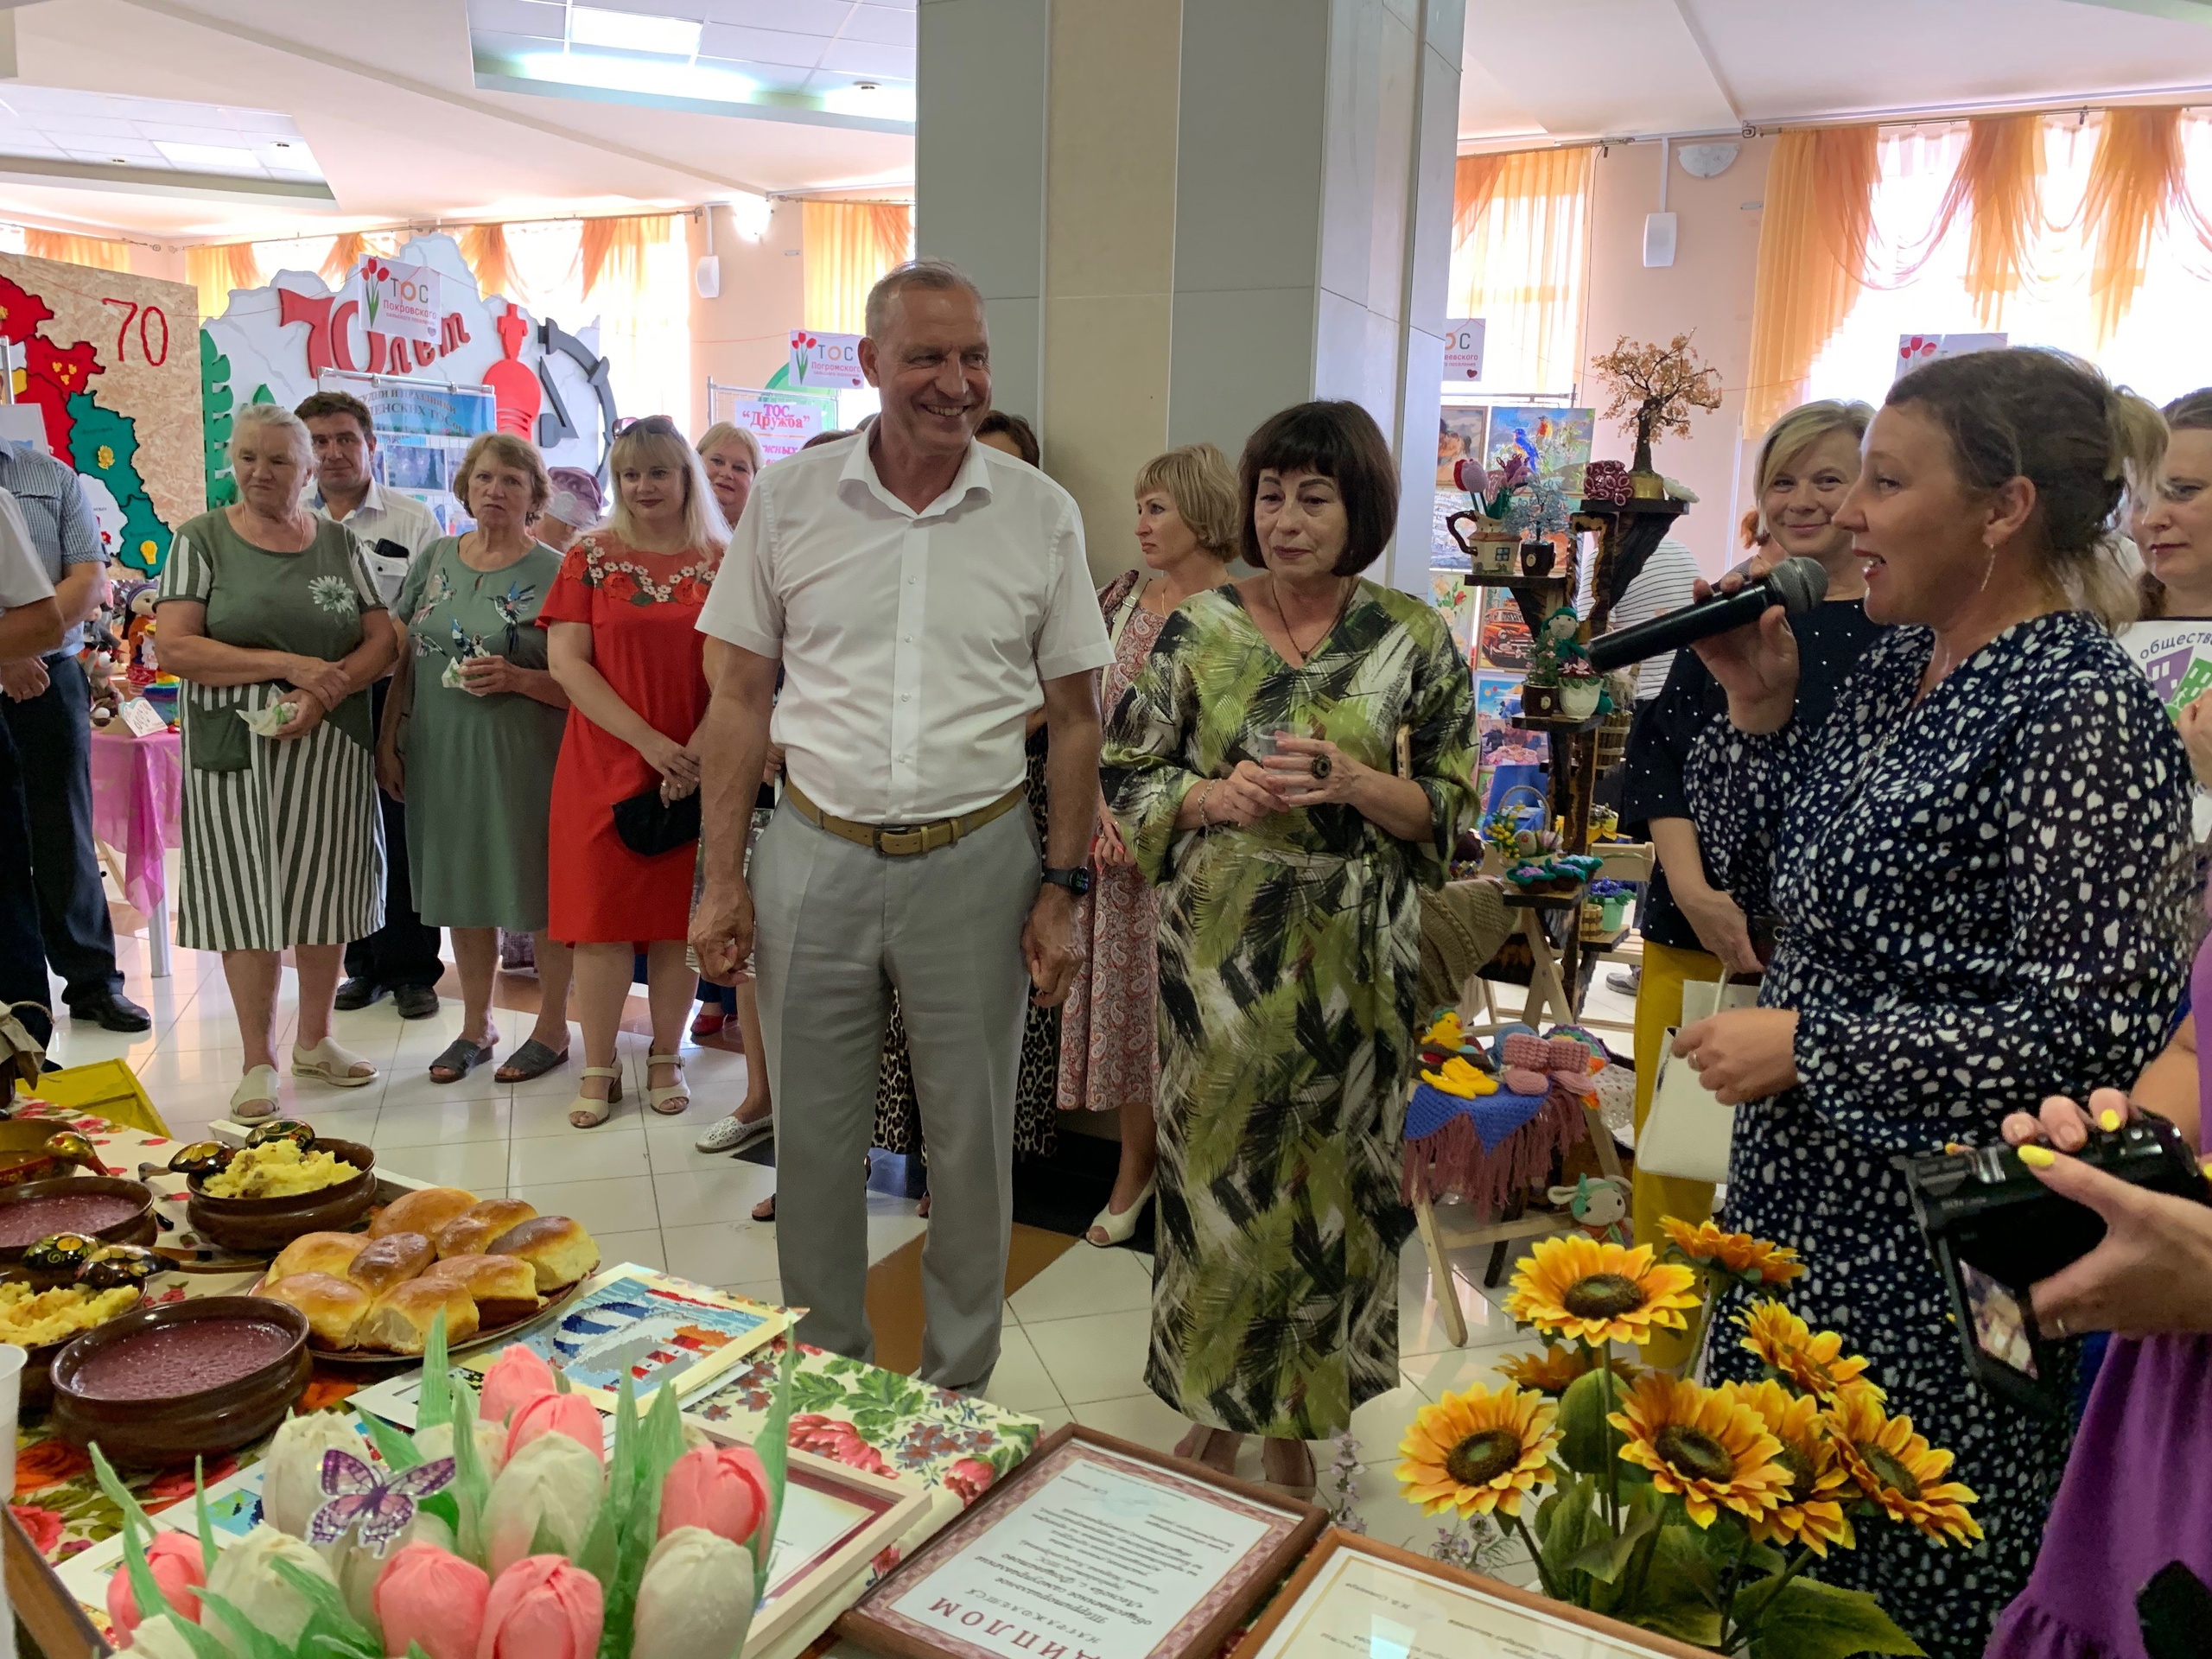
<point x="1796" y="585"/>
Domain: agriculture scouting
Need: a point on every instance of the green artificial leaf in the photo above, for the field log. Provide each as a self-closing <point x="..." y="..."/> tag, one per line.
<point x="561" y="1383"/>
<point x="137" y="1529"/>
<point x="1579" y="1523"/>
<point x="434" y="1404"/>
<point x="395" y="1446"/>
<point x="1807" y="1619"/>
<point x="1679" y="1595"/>
<point x="1605" y="1555"/>
<point x="201" y="1514"/>
<point x="1587" y="1443"/>
<point x="246" y="1639"/>
<point x="1562" y="1478"/>
<point x="472" y="1483"/>
<point x="772" y="1446"/>
<point x="331" y="1624"/>
<point x="415" y="1650"/>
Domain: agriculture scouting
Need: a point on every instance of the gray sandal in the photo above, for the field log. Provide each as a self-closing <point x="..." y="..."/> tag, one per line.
<point x="532" y="1059"/>
<point x="461" y="1058"/>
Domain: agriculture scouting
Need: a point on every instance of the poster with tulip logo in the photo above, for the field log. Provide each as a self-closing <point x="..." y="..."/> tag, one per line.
<point x="826" y="362"/>
<point x="401" y="301"/>
<point x="1913" y="350"/>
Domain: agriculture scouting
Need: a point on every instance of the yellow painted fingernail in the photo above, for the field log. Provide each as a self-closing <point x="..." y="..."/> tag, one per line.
<point x="2207" y="1167"/>
<point x="2037" y="1157"/>
<point x="2108" y="1120"/>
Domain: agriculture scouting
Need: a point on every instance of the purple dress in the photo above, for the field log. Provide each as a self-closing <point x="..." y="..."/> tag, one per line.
<point x="2136" y="1494"/>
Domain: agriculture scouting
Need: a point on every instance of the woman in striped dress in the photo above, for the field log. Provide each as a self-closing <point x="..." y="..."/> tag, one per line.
<point x="262" y="603"/>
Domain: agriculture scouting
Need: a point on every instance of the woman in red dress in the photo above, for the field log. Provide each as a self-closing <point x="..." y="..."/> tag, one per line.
<point x="624" y="646"/>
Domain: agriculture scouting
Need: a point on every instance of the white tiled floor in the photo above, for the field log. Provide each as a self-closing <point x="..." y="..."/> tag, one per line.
<point x="1076" y="1335"/>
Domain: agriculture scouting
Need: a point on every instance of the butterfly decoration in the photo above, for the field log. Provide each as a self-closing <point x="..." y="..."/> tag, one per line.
<point x="378" y="1509"/>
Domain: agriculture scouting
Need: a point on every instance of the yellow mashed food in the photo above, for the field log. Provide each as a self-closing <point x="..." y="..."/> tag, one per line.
<point x="30" y="1321"/>
<point x="278" y="1170"/>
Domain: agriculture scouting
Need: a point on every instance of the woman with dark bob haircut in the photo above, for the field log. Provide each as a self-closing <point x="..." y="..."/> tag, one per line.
<point x="1252" y="768"/>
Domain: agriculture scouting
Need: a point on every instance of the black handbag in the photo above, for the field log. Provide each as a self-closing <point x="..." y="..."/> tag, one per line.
<point x="650" y="826"/>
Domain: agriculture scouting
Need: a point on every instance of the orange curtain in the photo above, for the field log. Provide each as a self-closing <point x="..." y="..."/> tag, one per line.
<point x="1520" y="261"/>
<point x="844" y="246"/>
<point x="1999" y="187"/>
<point x="218" y="267"/>
<point x="348" y="249"/>
<point x="2136" y="179"/>
<point x="96" y="252"/>
<point x="615" y="249"/>
<point x="484" y="247"/>
<point x="1814" y="239"/>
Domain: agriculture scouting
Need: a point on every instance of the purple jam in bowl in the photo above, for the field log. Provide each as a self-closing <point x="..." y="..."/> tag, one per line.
<point x="168" y="1362"/>
<point x="26" y="1221"/>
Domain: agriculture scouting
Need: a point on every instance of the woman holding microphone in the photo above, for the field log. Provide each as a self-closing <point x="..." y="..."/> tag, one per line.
<point x="1978" y="863"/>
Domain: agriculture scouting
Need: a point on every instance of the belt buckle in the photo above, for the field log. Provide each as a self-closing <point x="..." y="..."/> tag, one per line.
<point x="896" y="831"/>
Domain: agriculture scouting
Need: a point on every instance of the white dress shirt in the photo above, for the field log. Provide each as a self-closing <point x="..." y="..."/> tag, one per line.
<point x="385" y="516"/>
<point x="1665" y="583"/>
<point x="913" y="643"/>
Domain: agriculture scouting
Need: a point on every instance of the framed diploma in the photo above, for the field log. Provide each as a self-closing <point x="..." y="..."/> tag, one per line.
<point x="836" y="1519"/>
<point x="1094" y="1547"/>
<point x="1354" y="1598"/>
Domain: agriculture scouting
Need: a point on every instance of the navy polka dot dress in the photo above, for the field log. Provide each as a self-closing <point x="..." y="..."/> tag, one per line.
<point x="1984" y="901"/>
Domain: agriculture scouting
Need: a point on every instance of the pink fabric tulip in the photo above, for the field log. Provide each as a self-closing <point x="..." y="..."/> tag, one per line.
<point x="517" y="1376"/>
<point x="543" y="1607"/>
<point x="174" y="1558"/>
<point x="723" y="1489"/>
<point x="557" y="1414"/>
<point x="429" y="1595"/>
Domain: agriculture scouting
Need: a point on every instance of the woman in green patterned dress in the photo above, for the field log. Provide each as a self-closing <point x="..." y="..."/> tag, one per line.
<point x="1253" y="769"/>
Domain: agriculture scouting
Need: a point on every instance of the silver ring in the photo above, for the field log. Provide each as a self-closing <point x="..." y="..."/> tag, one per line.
<point x="1321" y="766"/>
<point x="2058" y="1327"/>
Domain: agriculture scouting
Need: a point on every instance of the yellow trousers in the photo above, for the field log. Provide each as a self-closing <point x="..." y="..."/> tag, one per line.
<point x="1659" y="1005"/>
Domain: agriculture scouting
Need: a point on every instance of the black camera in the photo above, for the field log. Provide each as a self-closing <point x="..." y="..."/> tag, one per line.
<point x="1996" y="1230"/>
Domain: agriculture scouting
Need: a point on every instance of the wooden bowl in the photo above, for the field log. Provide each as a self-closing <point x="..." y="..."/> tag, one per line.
<point x="264" y="1226"/>
<point x="139" y="1228"/>
<point x="202" y="1421"/>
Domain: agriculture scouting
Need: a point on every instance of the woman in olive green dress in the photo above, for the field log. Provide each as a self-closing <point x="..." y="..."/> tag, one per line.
<point x="471" y="733"/>
<point x="1252" y="768"/>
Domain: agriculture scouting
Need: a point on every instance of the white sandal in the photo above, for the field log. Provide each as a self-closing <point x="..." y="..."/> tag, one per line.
<point x="256" y="1095"/>
<point x="584" y="1112"/>
<point x="1117" y="1229"/>
<point x="327" y="1063"/>
<point x="659" y="1098"/>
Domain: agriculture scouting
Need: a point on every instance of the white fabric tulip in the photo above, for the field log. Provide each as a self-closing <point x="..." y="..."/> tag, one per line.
<point x="291" y="1482"/>
<point x="244" y="1578"/>
<point x="158" y="1638"/>
<point x="553" y="1480"/>
<point x="490" y="1445"/>
<point x="696" y="1599"/>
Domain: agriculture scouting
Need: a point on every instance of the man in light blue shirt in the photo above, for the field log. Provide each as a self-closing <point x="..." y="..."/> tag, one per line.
<point x="48" y="707"/>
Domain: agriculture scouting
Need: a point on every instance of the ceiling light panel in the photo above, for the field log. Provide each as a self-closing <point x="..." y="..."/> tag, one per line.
<point x="161" y="135"/>
<point x="631" y="31"/>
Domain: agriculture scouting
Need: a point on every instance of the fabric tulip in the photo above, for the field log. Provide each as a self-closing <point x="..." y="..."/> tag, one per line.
<point x="245" y="1579"/>
<point x="291" y="1483"/>
<point x="722" y="1489"/>
<point x="358" y="1569"/>
<point x="552" y="1483"/>
<point x="695" y="1599"/>
<point x="427" y="1595"/>
<point x="516" y="1375"/>
<point x="543" y="1607"/>
<point x="162" y="1637"/>
<point x="174" y="1558"/>
<point x="490" y="1445"/>
<point x="557" y="1414"/>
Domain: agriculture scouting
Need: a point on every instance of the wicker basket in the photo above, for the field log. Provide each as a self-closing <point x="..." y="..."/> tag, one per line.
<point x="1613" y="739"/>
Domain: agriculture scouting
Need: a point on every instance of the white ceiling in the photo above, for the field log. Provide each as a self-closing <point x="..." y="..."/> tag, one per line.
<point x="1593" y="68"/>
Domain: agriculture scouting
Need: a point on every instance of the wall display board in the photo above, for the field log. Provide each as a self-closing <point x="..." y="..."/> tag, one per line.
<point x="108" y="359"/>
<point x="781" y="421"/>
<point x="424" y="429"/>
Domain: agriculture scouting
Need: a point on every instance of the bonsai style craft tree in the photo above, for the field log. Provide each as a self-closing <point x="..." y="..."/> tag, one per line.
<point x="1654" y="388"/>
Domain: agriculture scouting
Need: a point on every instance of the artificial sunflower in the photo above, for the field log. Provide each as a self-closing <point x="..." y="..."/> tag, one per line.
<point x="1553" y="1369"/>
<point x="1811" y="1511"/>
<point x="1899" y="1470"/>
<point x="1575" y="1288"/>
<point x="1807" y="1359"/>
<point x="1479" y="1451"/>
<point x="1740" y="1254"/>
<point x="1704" y="1445"/>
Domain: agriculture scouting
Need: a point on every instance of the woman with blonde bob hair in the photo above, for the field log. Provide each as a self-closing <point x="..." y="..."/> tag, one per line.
<point x="471" y="733"/>
<point x="624" y="646"/>
<point x="732" y="457"/>
<point x="1980" y="863"/>
<point x="1109" y="1045"/>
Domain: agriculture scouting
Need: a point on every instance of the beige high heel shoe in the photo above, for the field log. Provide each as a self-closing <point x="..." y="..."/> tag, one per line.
<point x="679" y="1091"/>
<point x="584" y="1112"/>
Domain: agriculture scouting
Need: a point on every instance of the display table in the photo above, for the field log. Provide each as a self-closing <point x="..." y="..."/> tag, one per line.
<point x="842" y="1409"/>
<point x="137" y="814"/>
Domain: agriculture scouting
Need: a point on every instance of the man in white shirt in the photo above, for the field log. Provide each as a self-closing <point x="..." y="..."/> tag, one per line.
<point x="401" y="955"/>
<point x="30" y="626"/>
<point x="921" y="593"/>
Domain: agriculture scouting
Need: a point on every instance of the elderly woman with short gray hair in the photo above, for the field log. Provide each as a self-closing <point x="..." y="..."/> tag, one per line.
<point x="269" y="614"/>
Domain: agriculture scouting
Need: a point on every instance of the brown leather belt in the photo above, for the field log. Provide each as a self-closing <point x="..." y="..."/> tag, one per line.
<point x="904" y="840"/>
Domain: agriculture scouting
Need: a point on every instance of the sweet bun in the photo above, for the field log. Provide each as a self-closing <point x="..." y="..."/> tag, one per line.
<point x="390" y="1262"/>
<point x="328" y="1252"/>
<point x="503" y="1288"/>
<point x="422" y="1211"/>
<point x="559" y="1250"/>
<point x="401" y="1319"/>
<point x="334" y="1306"/>
<point x="471" y="1232"/>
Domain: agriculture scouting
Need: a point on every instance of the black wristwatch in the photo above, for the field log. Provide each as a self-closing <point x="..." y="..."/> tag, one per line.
<point x="1077" y="880"/>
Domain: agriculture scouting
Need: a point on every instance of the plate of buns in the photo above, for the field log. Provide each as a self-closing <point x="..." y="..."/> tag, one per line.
<point x="489" y="1265"/>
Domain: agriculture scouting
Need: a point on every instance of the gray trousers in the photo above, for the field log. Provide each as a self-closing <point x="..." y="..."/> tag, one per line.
<point x="838" y="927"/>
